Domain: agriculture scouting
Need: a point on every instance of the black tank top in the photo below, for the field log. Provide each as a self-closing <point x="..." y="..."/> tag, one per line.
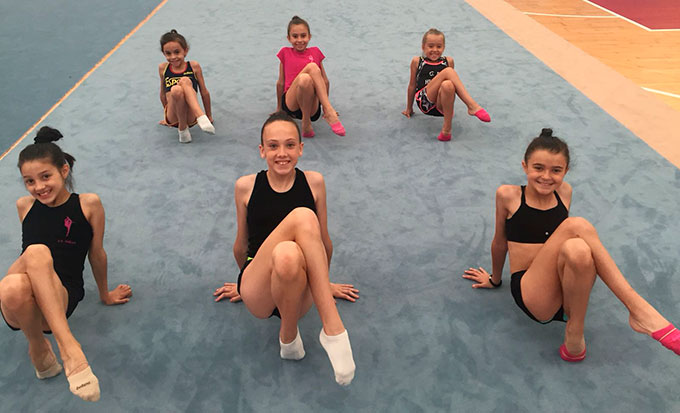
<point x="267" y="208"/>
<point x="534" y="226"/>
<point x="66" y="232"/>
<point x="428" y="70"/>
<point x="172" y="78"/>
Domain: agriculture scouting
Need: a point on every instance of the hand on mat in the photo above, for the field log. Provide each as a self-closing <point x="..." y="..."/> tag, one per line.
<point x="408" y="112"/>
<point x="345" y="291"/>
<point x="228" y="290"/>
<point x="163" y="122"/>
<point x="480" y="276"/>
<point x="119" y="295"/>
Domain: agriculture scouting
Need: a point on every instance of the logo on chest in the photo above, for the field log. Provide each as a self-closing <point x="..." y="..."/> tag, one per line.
<point x="68" y="222"/>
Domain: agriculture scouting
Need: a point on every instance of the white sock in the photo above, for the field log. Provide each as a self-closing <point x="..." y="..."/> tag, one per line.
<point x="339" y="352"/>
<point x="205" y="125"/>
<point x="85" y="385"/>
<point x="185" y="136"/>
<point x="294" y="350"/>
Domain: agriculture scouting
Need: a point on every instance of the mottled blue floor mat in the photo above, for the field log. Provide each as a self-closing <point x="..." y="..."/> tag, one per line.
<point x="406" y="214"/>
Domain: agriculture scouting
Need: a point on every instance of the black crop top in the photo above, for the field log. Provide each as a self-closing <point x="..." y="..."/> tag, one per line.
<point x="267" y="208"/>
<point x="66" y="232"/>
<point x="534" y="226"/>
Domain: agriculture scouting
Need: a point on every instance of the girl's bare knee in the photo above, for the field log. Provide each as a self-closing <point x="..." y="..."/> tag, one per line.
<point x="185" y="81"/>
<point x="305" y="81"/>
<point x="37" y="254"/>
<point x="576" y="253"/>
<point x="287" y="261"/>
<point x="176" y="92"/>
<point x="312" y="68"/>
<point x="447" y="88"/>
<point x="15" y="292"/>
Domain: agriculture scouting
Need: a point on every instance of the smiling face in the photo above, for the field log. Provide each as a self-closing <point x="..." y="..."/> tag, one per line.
<point x="433" y="47"/>
<point x="281" y="147"/>
<point x="45" y="182"/>
<point x="174" y="53"/>
<point x="299" y="36"/>
<point x="545" y="170"/>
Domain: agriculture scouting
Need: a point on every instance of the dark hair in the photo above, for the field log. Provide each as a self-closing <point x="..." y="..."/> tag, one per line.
<point x="173" y="36"/>
<point x="547" y="141"/>
<point x="279" y="116"/>
<point x="44" y="148"/>
<point x="434" y="32"/>
<point x="297" y="20"/>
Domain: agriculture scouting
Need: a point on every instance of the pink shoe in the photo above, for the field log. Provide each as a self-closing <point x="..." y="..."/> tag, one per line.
<point x="308" y="134"/>
<point x="483" y="115"/>
<point x="567" y="356"/>
<point x="444" y="137"/>
<point x="338" y="129"/>
<point x="669" y="337"/>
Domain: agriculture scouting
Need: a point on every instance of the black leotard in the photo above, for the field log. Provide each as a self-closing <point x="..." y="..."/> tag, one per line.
<point x="66" y="232"/>
<point x="172" y="78"/>
<point x="534" y="226"/>
<point x="267" y="208"/>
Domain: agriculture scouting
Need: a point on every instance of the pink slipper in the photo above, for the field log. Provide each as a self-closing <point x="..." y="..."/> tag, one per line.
<point x="567" y="356"/>
<point x="338" y="129"/>
<point x="308" y="134"/>
<point x="483" y="115"/>
<point x="669" y="337"/>
<point x="442" y="137"/>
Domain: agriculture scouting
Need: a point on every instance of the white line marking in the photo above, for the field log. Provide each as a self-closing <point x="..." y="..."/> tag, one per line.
<point x="569" y="15"/>
<point x="661" y="92"/>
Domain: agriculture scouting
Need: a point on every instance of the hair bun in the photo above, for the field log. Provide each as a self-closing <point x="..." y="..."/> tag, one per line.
<point x="546" y="133"/>
<point x="47" y="134"/>
<point x="173" y="31"/>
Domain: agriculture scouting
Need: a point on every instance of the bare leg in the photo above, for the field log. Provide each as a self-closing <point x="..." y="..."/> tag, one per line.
<point x="432" y="88"/>
<point x="289" y="287"/>
<point x="314" y="72"/>
<point x="191" y="98"/>
<point x="445" y="98"/>
<point x="177" y="107"/>
<point x="302" y="227"/>
<point x="36" y="265"/>
<point x="21" y="311"/>
<point x="306" y="100"/>
<point x="542" y="290"/>
<point x="576" y="270"/>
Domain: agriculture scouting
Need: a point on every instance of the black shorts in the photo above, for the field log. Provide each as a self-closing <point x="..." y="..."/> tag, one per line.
<point x="238" y="286"/>
<point x="515" y="287"/>
<point x="426" y="105"/>
<point x="73" y="300"/>
<point x="297" y="114"/>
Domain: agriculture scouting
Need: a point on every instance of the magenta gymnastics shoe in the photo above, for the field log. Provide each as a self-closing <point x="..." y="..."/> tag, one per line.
<point x="338" y="129"/>
<point x="483" y="115"/>
<point x="308" y="134"/>
<point x="669" y="337"/>
<point x="567" y="356"/>
<point x="444" y="137"/>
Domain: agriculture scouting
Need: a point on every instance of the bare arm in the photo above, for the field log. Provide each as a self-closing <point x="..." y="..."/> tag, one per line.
<point x="449" y="60"/>
<point x="94" y="212"/>
<point x="325" y="78"/>
<point x="161" y="71"/>
<point x="411" y="89"/>
<point x="242" y="190"/>
<point x="205" y="95"/>
<point x="499" y="245"/>
<point x="280" y="83"/>
<point x="318" y="186"/>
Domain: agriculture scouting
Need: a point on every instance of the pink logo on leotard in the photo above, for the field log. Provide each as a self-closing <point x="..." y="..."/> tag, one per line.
<point x="67" y="224"/>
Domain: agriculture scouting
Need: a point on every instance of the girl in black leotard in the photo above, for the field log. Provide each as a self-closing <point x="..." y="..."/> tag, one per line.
<point x="44" y="285"/>
<point x="434" y="84"/>
<point x="283" y="248"/>
<point x="554" y="259"/>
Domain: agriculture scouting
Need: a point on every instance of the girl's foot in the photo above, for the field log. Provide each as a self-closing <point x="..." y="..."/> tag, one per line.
<point x="480" y="113"/>
<point x="84" y="384"/>
<point x="574" y="342"/>
<point x="334" y="122"/>
<point x="185" y="136"/>
<point x="205" y="124"/>
<point x="669" y="337"/>
<point x="46" y="364"/>
<point x="307" y="130"/>
<point x="444" y="137"/>
<point x="339" y="352"/>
